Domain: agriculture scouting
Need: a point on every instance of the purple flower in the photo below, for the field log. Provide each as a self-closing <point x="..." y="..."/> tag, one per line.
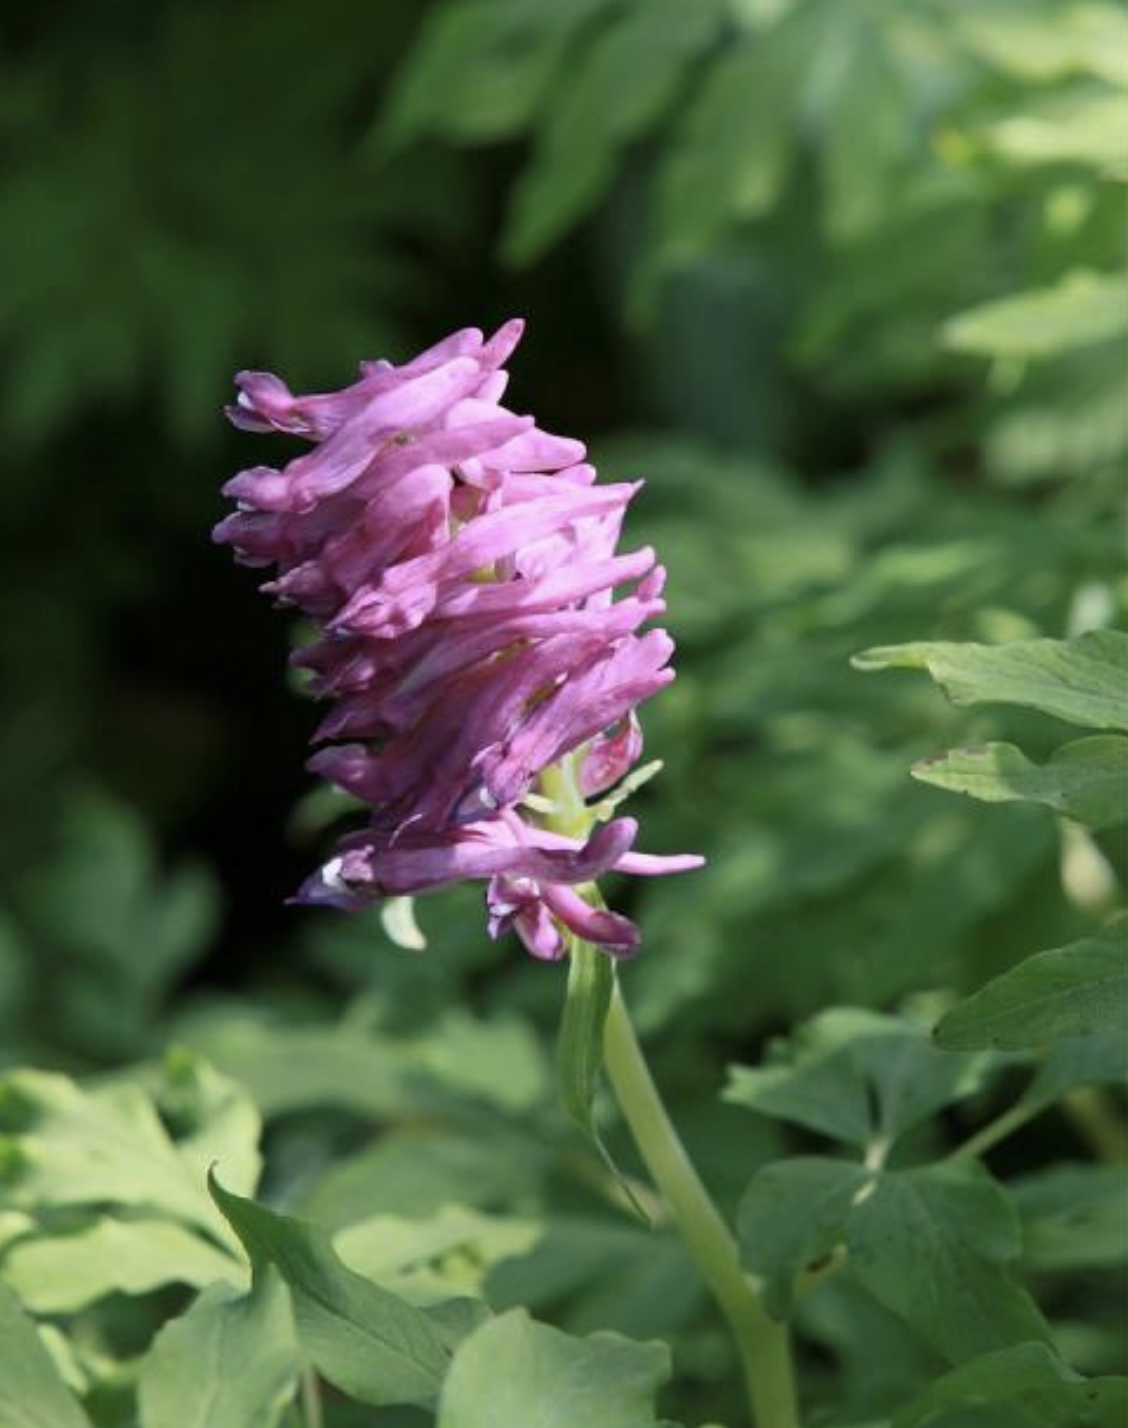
<point x="461" y="565"/>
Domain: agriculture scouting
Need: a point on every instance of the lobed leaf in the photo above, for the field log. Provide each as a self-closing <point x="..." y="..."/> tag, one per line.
<point x="1082" y="308"/>
<point x="1073" y="127"/>
<point x="630" y="75"/>
<point x="731" y="154"/>
<point x="1048" y="42"/>
<point x="1086" y="780"/>
<point x="365" y="1340"/>
<point x="793" y="1214"/>
<point x="417" y="1171"/>
<point x="231" y="1361"/>
<point x="479" y="69"/>
<point x="1083" y="680"/>
<point x="1029" y="1378"/>
<point x="1073" y="1217"/>
<point x="32" y="1395"/>
<point x="429" y="1258"/>
<point x="1077" y="1061"/>
<point x="514" y="1372"/>
<point x="1079" y="990"/>
<point x="61" y="1273"/>
<point x="78" y="1147"/>
<point x="932" y="1245"/>
<point x="856" y="1076"/>
<point x="456" y="1058"/>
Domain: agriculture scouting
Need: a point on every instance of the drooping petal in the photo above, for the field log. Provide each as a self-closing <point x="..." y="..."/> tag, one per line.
<point x="461" y="566"/>
<point x="611" y="931"/>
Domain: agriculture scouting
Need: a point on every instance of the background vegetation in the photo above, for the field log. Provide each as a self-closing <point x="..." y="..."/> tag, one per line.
<point x="842" y="282"/>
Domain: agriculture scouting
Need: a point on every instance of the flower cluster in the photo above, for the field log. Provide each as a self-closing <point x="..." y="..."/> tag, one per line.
<point x="460" y="564"/>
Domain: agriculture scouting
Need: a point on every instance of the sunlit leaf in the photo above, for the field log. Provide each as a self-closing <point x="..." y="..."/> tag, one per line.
<point x="1081" y="309"/>
<point x="64" y="1272"/>
<point x="419" y="1170"/>
<point x="1041" y="42"/>
<point x="1083" y="681"/>
<point x="76" y="1147"/>
<point x="428" y="1259"/>
<point x="32" y="1395"/>
<point x="1080" y="128"/>
<point x="231" y="1361"/>
<point x="1086" y="779"/>
<point x="369" y="1342"/>
<point x="514" y="1372"/>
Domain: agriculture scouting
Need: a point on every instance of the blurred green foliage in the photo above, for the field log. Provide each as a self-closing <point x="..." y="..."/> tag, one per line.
<point x="844" y="283"/>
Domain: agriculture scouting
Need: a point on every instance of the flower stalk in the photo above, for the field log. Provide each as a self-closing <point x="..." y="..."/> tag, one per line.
<point x="762" y="1344"/>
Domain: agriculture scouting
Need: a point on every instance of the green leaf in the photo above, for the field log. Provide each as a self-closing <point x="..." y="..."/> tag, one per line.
<point x="231" y="1361"/>
<point x="77" y="1147"/>
<point x="1048" y="42"/>
<point x="630" y="75"/>
<point x="480" y="69"/>
<point x="101" y="898"/>
<point x="365" y="1340"/>
<point x="514" y="1372"/>
<point x="1029" y="1378"/>
<point x="868" y="139"/>
<point x="32" y="1395"/>
<point x="64" y="1272"/>
<point x="793" y="1214"/>
<point x="1083" y="681"/>
<point x="1079" y="990"/>
<point x="1073" y="1217"/>
<point x="591" y="984"/>
<point x="932" y="1246"/>
<point x="430" y="1258"/>
<point x="417" y="1170"/>
<point x="1074" y="127"/>
<point x="1086" y="779"/>
<point x="856" y="1076"/>
<point x="731" y="155"/>
<point x="291" y="1068"/>
<point x="605" y="1272"/>
<point x="1081" y="309"/>
<point x="213" y="1119"/>
<point x="1076" y="1062"/>
<point x="579" y="1048"/>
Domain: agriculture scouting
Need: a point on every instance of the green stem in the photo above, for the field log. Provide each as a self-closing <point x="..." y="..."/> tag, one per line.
<point x="1091" y="1113"/>
<point x="1094" y="1116"/>
<point x="994" y="1131"/>
<point x="311" y="1399"/>
<point x="763" y="1343"/>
